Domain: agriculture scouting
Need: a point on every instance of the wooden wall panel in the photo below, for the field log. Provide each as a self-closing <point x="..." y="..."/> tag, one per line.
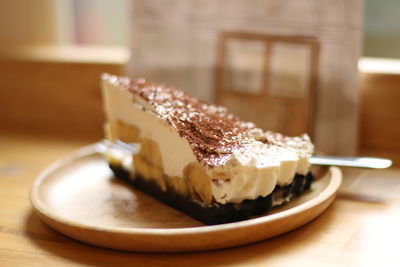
<point x="380" y="115"/>
<point x="52" y="97"/>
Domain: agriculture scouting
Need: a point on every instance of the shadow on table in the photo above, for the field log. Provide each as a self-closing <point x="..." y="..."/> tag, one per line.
<point x="289" y="245"/>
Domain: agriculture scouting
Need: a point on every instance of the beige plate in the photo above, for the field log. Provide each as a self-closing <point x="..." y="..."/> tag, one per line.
<point x="79" y="197"/>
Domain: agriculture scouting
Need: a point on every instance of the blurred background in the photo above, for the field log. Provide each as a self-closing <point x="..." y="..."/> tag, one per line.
<point x="52" y="53"/>
<point x="65" y="22"/>
<point x="106" y="23"/>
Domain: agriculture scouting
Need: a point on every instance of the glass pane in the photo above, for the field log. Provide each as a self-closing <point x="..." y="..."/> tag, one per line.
<point x="245" y="63"/>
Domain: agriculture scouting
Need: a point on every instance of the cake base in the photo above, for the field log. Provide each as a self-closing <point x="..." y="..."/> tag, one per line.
<point x="217" y="213"/>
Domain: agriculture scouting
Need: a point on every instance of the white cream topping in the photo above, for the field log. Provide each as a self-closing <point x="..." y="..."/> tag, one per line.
<point x="121" y="105"/>
<point x="252" y="171"/>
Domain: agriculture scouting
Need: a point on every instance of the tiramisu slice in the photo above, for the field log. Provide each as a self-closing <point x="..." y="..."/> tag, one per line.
<point x="197" y="157"/>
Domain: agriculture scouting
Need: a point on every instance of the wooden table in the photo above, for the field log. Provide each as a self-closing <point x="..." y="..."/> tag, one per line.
<point x="361" y="228"/>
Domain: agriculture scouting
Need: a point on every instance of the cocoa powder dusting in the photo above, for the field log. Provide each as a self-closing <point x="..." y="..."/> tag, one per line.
<point x="211" y="130"/>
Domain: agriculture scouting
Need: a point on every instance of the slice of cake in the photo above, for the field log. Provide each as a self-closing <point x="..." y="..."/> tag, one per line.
<point x="197" y="157"/>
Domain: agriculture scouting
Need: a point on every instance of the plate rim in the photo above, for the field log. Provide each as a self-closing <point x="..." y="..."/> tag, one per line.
<point x="93" y="149"/>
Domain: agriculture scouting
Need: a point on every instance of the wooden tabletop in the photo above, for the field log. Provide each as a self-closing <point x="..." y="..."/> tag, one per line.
<point x="361" y="227"/>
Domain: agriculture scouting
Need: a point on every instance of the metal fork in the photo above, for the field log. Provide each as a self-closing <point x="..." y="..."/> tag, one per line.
<point x="361" y="162"/>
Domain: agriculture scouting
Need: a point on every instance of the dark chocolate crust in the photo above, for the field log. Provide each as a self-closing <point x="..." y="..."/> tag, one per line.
<point x="216" y="213"/>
